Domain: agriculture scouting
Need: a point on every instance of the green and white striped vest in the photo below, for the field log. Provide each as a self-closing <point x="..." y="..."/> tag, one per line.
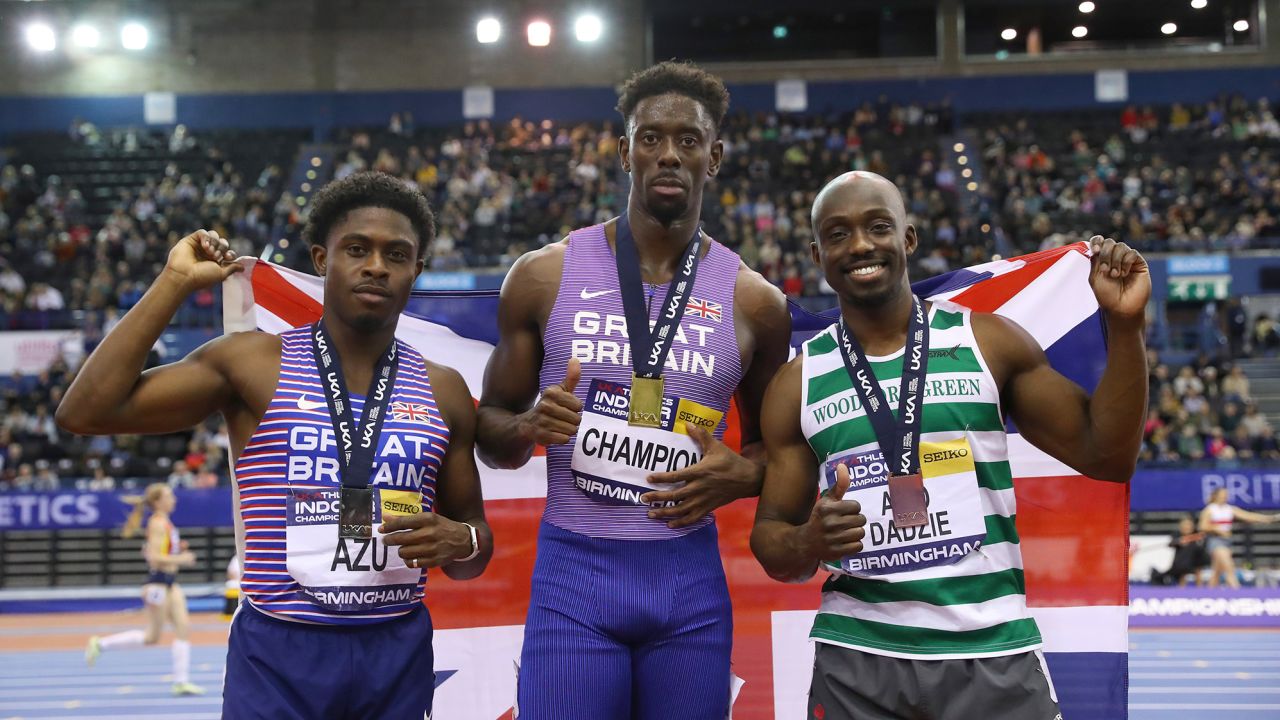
<point x="953" y="593"/>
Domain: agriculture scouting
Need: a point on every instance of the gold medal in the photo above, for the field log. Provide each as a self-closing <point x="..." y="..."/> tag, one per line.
<point x="646" y="402"/>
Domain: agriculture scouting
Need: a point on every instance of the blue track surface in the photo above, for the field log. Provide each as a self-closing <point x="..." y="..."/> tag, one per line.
<point x="1204" y="675"/>
<point x="1173" y="676"/>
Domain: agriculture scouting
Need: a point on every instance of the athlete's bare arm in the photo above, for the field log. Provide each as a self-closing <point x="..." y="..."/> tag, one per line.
<point x="1098" y="436"/>
<point x="508" y="421"/>
<point x="438" y="538"/>
<point x="792" y="532"/>
<point x="762" y="323"/>
<point x="234" y="374"/>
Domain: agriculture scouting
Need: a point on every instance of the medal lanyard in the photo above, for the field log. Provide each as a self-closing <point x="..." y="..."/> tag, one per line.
<point x="355" y="455"/>
<point x="649" y="350"/>
<point x="898" y="437"/>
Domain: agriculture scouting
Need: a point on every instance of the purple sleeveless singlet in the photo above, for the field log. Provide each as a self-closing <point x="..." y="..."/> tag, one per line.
<point x="702" y="369"/>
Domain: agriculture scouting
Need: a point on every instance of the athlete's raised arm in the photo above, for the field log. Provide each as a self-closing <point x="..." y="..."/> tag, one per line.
<point x="111" y="394"/>
<point x="1097" y="435"/>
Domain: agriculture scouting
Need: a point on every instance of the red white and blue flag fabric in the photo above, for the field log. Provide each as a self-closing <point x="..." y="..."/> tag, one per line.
<point x="1074" y="530"/>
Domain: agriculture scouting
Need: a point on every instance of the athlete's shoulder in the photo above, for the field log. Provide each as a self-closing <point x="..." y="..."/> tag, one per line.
<point x="535" y="270"/>
<point x="452" y="395"/>
<point x="1007" y="347"/>
<point x="251" y="348"/>
<point x="759" y="301"/>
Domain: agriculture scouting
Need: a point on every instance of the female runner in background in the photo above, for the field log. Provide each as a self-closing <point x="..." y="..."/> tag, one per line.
<point x="1216" y="520"/>
<point x="162" y="597"/>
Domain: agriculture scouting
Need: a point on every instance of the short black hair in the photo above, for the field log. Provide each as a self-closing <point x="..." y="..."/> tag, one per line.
<point x="682" y="78"/>
<point x="369" y="189"/>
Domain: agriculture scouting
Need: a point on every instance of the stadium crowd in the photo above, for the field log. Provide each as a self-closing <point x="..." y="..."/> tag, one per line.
<point x="1179" y="179"/>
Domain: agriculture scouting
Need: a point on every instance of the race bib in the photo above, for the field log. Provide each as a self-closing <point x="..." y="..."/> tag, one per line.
<point x="956" y="523"/>
<point x="348" y="574"/>
<point x="612" y="459"/>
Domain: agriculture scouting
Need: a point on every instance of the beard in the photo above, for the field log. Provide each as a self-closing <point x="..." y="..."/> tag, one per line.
<point x="668" y="210"/>
<point x="367" y="322"/>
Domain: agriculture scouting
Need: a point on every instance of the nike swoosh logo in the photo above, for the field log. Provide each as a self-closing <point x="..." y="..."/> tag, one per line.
<point x="593" y="295"/>
<point x="304" y="404"/>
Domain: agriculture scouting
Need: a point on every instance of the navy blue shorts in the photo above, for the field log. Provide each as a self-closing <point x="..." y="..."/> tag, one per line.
<point x="155" y="577"/>
<point x="282" y="670"/>
<point x="619" y="629"/>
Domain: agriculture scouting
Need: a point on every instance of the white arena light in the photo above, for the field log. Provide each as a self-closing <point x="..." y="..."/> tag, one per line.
<point x="1169" y="28"/>
<point x="588" y="28"/>
<point x="1199" y="4"/>
<point x="1087" y="7"/>
<point x="1008" y="34"/>
<point x="539" y="32"/>
<point x="134" y="36"/>
<point x="488" y="30"/>
<point x="40" y="37"/>
<point x="1079" y="31"/>
<point x="1241" y="25"/>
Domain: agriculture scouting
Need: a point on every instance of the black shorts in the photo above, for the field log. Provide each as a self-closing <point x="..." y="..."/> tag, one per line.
<point x="855" y="685"/>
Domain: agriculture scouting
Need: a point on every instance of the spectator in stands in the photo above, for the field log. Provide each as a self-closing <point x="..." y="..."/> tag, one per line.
<point x="181" y="475"/>
<point x="46" y="479"/>
<point x="1216" y="521"/>
<point x="101" y="481"/>
<point x="1266" y="336"/>
<point x="1235" y="386"/>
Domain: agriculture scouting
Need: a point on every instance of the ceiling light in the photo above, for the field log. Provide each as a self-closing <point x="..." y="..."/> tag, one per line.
<point x="1241" y="25"/>
<point x="134" y="36"/>
<point x="1079" y="31"/>
<point x="1168" y="28"/>
<point x="40" y="37"/>
<point x="588" y="28"/>
<point x="1087" y="7"/>
<point x="488" y="30"/>
<point x="1008" y="34"/>
<point x="539" y="32"/>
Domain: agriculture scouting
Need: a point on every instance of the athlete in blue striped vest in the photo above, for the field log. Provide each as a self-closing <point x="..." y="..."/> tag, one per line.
<point x="344" y="497"/>
<point x="925" y="615"/>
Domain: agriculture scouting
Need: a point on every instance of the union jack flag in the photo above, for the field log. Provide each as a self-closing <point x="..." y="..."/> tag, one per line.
<point x="412" y="412"/>
<point x="703" y="309"/>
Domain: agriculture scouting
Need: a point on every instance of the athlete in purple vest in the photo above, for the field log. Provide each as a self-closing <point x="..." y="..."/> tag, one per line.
<point x="629" y="615"/>
<point x="344" y="497"/>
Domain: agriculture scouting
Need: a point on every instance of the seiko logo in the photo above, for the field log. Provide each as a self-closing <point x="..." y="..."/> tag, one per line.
<point x="944" y="455"/>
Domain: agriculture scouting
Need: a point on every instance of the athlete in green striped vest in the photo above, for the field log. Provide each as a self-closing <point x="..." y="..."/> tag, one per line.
<point x="897" y="413"/>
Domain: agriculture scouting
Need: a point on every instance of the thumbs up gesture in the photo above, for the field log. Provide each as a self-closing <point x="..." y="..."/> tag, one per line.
<point x="835" y="527"/>
<point x="554" y="419"/>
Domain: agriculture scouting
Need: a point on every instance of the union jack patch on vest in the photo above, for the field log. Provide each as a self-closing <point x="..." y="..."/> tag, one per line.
<point x="412" y="412"/>
<point x="703" y="309"/>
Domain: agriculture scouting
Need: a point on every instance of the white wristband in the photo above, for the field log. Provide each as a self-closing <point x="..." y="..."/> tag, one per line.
<point x="475" y="544"/>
